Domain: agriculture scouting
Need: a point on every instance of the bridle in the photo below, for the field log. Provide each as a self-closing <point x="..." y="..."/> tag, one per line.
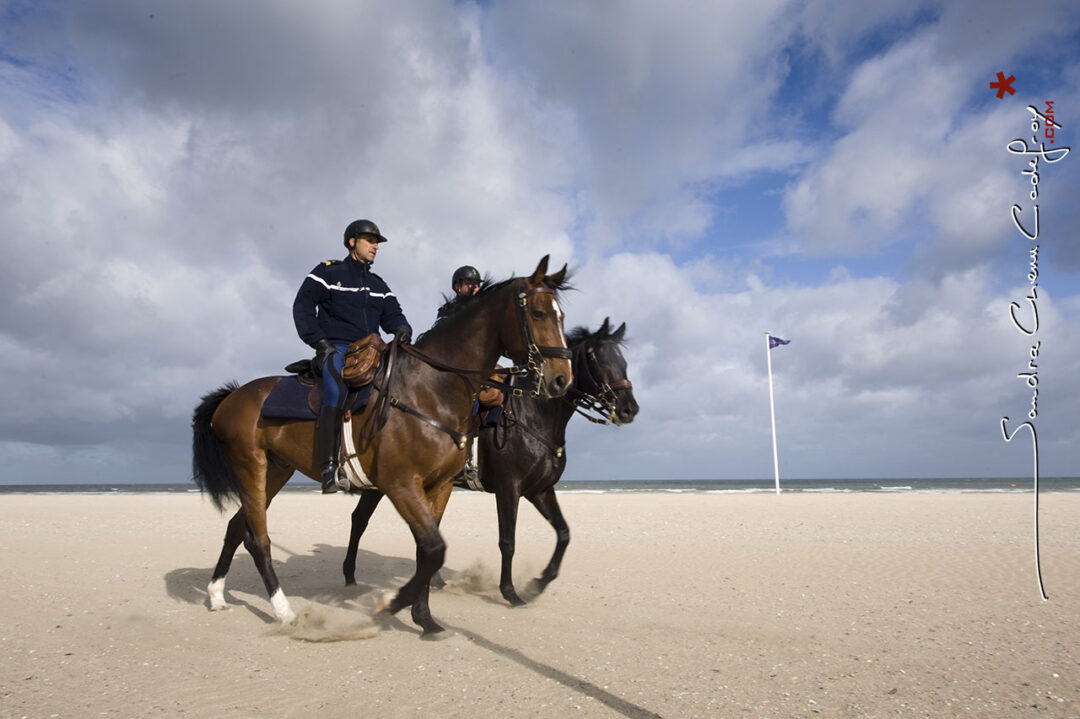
<point x="534" y="359"/>
<point x="593" y="396"/>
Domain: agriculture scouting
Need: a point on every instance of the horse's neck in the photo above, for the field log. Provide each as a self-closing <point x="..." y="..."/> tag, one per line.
<point x="547" y="416"/>
<point x="468" y="341"/>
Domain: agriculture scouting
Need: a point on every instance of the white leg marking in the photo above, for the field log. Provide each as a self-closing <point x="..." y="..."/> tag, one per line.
<point x="281" y="606"/>
<point x="216" y="590"/>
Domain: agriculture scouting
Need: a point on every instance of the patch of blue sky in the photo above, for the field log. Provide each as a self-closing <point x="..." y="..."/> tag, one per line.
<point x="894" y="31"/>
<point x="805" y="99"/>
<point x="46" y="74"/>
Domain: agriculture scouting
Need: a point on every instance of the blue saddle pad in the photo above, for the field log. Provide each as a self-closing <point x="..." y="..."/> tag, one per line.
<point x="289" y="400"/>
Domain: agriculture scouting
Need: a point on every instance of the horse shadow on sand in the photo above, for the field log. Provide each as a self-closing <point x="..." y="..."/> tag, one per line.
<point x="316" y="577"/>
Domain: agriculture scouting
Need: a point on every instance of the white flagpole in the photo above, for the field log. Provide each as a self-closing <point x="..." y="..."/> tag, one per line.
<point x="772" y="414"/>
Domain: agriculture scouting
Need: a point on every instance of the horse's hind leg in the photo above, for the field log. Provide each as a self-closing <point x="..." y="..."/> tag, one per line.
<point x="548" y="506"/>
<point x="365" y="507"/>
<point x="234" y="534"/>
<point x="238" y="532"/>
<point x="264" y="482"/>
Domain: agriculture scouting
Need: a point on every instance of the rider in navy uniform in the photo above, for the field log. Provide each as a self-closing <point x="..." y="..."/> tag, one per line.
<point x="465" y="283"/>
<point x="339" y="302"/>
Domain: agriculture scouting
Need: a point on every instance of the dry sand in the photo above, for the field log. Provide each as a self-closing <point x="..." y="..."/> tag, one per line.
<point x="690" y="605"/>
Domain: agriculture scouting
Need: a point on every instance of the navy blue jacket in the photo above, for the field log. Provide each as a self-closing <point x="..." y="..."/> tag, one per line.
<point x="342" y="301"/>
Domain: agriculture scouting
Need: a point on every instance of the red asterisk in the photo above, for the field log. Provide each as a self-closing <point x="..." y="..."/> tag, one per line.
<point x="1003" y="85"/>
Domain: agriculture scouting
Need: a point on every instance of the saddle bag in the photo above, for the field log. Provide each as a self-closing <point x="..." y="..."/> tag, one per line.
<point x="362" y="360"/>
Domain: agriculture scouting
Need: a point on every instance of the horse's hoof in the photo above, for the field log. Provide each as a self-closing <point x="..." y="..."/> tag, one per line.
<point x="512" y="597"/>
<point x="435" y="634"/>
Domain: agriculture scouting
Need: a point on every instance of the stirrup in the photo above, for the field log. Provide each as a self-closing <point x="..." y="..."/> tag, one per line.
<point x="330" y="485"/>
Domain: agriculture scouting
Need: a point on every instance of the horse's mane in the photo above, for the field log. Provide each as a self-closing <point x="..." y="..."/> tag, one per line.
<point x="582" y="334"/>
<point x="453" y="306"/>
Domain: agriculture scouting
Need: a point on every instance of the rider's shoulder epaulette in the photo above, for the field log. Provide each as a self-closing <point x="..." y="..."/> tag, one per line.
<point x="330" y="262"/>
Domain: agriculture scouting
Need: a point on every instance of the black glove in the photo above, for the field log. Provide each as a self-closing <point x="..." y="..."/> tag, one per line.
<point x="403" y="334"/>
<point x="323" y="350"/>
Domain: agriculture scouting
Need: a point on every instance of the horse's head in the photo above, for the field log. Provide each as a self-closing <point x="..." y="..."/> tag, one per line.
<point x="600" y="371"/>
<point x="532" y="333"/>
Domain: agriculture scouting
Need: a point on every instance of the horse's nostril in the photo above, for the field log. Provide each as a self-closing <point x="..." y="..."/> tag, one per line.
<point x="559" y="383"/>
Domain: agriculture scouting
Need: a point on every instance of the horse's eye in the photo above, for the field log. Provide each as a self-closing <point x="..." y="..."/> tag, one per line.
<point x="537" y="315"/>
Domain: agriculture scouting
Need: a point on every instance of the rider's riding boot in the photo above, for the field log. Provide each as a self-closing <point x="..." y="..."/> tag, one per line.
<point x="328" y="442"/>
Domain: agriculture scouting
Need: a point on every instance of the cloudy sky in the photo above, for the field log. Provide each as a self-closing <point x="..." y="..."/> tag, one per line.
<point x="834" y="172"/>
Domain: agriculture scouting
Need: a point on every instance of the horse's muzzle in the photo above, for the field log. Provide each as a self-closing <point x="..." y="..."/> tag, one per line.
<point x="626" y="411"/>
<point x="557" y="385"/>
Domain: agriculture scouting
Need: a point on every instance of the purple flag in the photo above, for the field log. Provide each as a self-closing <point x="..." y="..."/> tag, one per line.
<point x="776" y="342"/>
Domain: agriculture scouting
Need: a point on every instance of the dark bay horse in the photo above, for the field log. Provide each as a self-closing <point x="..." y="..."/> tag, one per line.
<point x="523" y="455"/>
<point x="422" y="400"/>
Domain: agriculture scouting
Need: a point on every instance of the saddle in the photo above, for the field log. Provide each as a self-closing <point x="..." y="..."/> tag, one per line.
<point x="298" y="397"/>
<point x="294" y="398"/>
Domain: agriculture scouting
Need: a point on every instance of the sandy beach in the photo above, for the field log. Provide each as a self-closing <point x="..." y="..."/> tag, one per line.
<point x="671" y="605"/>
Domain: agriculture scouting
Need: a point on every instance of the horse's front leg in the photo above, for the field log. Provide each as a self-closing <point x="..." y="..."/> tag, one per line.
<point x="548" y="506"/>
<point x="418" y="512"/>
<point x="421" y="611"/>
<point x="365" y="507"/>
<point x="506" y="501"/>
<point x="257" y="541"/>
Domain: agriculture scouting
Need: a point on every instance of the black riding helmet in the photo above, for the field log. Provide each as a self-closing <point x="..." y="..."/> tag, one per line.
<point x="465" y="274"/>
<point x="357" y="228"/>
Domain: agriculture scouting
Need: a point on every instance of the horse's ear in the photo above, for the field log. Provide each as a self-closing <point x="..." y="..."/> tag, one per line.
<point x="556" y="279"/>
<point x="541" y="270"/>
<point x="618" y="335"/>
<point x="605" y="329"/>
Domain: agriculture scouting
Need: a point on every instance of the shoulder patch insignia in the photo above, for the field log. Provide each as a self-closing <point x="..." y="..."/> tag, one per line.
<point x="330" y="262"/>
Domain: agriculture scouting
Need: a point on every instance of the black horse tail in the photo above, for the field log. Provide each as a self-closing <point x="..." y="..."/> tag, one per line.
<point x="210" y="466"/>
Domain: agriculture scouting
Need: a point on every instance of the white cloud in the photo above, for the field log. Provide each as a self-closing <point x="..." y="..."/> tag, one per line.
<point x="170" y="173"/>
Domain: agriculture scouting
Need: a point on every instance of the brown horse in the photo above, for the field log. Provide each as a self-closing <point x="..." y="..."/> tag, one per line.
<point x="410" y="435"/>
<point x="523" y="455"/>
